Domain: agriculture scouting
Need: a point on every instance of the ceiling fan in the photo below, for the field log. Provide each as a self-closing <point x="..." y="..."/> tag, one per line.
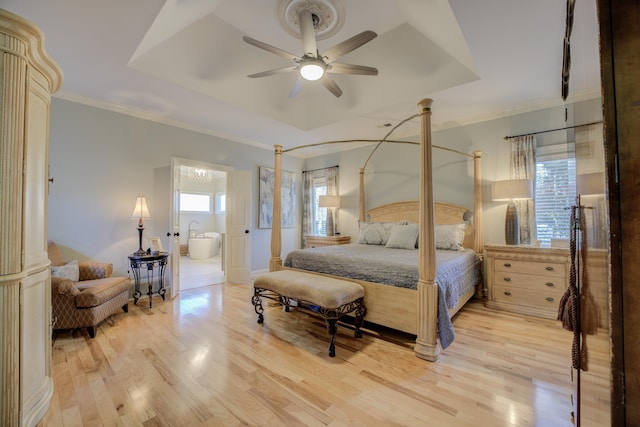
<point x="315" y="66"/>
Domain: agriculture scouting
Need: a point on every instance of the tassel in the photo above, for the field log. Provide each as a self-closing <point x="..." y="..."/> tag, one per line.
<point x="567" y="310"/>
<point x="562" y="307"/>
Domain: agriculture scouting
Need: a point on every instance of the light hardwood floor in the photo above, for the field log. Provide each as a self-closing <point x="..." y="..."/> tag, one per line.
<point x="203" y="360"/>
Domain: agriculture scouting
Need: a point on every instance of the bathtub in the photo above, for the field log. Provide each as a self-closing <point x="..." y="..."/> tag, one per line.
<point x="204" y="245"/>
<point x="215" y="249"/>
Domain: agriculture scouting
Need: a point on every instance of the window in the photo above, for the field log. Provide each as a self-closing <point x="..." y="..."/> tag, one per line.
<point x="316" y="183"/>
<point x="555" y="191"/>
<point x="319" y="214"/>
<point x="221" y="203"/>
<point x="196" y="202"/>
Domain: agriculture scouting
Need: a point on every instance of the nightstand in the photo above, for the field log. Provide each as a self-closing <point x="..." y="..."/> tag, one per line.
<point x="317" y="241"/>
<point x="526" y="279"/>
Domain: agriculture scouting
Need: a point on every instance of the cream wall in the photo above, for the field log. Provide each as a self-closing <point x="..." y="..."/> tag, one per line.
<point x="393" y="172"/>
<point x="101" y="160"/>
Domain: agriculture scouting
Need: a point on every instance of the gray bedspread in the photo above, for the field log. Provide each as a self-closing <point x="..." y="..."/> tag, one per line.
<point x="456" y="272"/>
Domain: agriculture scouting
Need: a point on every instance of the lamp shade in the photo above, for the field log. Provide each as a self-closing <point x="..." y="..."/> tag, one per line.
<point x="329" y="201"/>
<point x="141" y="210"/>
<point x="590" y="184"/>
<point x="512" y="189"/>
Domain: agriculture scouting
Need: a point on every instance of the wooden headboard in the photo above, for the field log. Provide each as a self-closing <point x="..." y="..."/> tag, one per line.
<point x="445" y="213"/>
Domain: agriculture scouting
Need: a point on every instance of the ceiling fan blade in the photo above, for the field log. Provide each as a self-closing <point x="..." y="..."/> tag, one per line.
<point x="348" y="45"/>
<point x="308" y="33"/>
<point x="272" y="72"/>
<point x="331" y="85"/>
<point x="269" y="48"/>
<point x="338" y="68"/>
<point x="296" y="87"/>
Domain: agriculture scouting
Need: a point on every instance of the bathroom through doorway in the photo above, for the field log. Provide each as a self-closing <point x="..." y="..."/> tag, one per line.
<point x="202" y="219"/>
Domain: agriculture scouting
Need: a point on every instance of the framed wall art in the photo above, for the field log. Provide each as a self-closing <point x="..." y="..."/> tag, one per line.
<point x="266" y="198"/>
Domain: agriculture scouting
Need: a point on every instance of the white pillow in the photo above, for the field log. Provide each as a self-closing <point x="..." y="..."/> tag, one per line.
<point x="450" y="236"/>
<point x="403" y="236"/>
<point x="376" y="233"/>
<point x="70" y="270"/>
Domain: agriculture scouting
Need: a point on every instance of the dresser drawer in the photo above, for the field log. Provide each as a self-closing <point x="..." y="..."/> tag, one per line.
<point x="529" y="281"/>
<point x="527" y="297"/>
<point x="529" y="267"/>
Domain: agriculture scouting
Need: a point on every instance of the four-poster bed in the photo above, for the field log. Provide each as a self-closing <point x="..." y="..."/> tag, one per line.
<point x="410" y="310"/>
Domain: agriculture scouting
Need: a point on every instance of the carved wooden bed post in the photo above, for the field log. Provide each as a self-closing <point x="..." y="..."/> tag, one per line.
<point x="427" y="338"/>
<point x="478" y="242"/>
<point x="361" y="215"/>
<point x="276" y="237"/>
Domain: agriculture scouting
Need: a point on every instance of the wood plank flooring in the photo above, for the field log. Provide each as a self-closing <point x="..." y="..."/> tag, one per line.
<point x="202" y="360"/>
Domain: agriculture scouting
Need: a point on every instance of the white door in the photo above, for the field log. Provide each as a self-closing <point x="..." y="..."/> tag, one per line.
<point x="238" y="239"/>
<point x="174" y="232"/>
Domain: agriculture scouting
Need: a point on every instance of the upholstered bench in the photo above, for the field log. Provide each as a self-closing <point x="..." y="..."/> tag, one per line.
<point x="330" y="297"/>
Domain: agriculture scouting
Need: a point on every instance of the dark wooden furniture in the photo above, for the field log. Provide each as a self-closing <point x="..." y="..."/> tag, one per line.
<point x="150" y="263"/>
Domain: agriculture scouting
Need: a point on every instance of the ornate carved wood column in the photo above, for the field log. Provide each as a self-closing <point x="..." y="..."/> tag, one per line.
<point x="427" y="340"/>
<point x="276" y="219"/>
<point x="13" y="64"/>
<point x="478" y="242"/>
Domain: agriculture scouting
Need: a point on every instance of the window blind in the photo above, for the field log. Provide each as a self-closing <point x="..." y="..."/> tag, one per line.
<point x="555" y="191"/>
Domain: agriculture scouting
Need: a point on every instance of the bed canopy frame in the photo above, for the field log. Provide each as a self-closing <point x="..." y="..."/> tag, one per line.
<point x="426" y="346"/>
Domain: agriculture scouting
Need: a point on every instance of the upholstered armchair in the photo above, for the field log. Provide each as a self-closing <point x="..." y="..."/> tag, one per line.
<point x="83" y="294"/>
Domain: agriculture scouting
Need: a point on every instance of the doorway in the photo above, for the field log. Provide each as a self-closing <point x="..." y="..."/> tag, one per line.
<point x="200" y="211"/>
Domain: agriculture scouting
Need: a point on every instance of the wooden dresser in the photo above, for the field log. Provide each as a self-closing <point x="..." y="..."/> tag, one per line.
<point x="526" y="279"/>
<point x="317" y="241"/>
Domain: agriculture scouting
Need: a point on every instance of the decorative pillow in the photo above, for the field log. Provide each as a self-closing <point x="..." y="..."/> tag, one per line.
<point x="450" y="236"/>
<point x="70" y="270"/>
<point x="376" y="233"/>
<point x="403" y="236"/>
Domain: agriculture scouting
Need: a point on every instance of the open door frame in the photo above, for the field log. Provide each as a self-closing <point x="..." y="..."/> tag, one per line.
<point x="238" y="259"/>
<point x="174" y="216"/>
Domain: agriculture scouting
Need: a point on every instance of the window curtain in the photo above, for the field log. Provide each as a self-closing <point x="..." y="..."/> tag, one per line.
<point x="332" y="190"/>
<point x="591" y="183"/>
<point x="307" y="205"/>
<point x="523" y="166"/>
<point x="308" y="199"/>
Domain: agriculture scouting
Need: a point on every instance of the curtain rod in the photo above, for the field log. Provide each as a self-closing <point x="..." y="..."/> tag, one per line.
<point x="319" y="169"/>
<point x="551" y="130"/>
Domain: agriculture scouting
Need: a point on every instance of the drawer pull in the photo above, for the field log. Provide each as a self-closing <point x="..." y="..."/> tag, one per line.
<point x="550" y="299"/>
<point x="507" y="293"/>
<point x="506" y="264"/>
<point x="507" y="279"/>
<point x="549" y="268"/>
<point x="549" y="284"/>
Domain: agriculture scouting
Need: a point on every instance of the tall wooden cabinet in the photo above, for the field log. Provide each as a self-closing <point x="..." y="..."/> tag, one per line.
<point x="27" y="79"/>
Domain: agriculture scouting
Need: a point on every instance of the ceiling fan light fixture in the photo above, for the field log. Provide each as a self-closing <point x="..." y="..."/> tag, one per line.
<point x="312" y="69"/>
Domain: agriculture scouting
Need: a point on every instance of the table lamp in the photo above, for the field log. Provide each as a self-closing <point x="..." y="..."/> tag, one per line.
<point x="510" y="190"/>
<point x="140" y="211"/>
<point x="330" y="202"/>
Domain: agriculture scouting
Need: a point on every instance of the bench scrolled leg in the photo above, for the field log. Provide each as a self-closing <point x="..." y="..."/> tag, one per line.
<point x="361" y="311"/>
<point x="257" y="306"/>
<point x="332" y="327"/>
<point x="285" y="303"/>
